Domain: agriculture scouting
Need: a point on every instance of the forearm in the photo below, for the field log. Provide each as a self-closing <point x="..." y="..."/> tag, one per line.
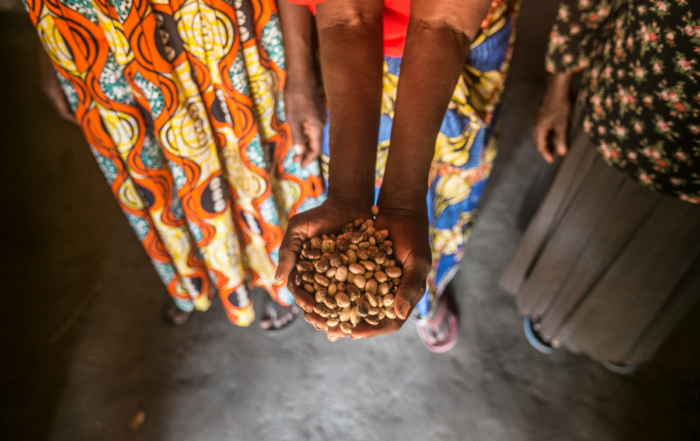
<point x="350" y="37"/>
<point x="297" y="28"/>
<point x="433" y="61"/>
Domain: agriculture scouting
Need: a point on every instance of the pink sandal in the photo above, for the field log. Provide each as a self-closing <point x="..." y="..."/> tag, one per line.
<point x="439" y="330"/>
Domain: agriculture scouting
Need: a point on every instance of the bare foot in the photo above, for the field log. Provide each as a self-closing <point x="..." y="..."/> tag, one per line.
<point x="276" y="316"/>
<point x="176" y="316"/>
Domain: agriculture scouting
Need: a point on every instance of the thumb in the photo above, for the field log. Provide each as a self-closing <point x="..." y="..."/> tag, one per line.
<point x="289" y="250"/>
<point x="560" y="139"/>
<point x="411" y="289"/>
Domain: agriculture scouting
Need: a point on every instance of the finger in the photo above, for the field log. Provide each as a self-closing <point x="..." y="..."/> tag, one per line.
<point x="59" y="102"/>
<point x="560" y="138"/>
<point x="298" y="138"/>
<point x="411" y="289"/>
<point x="301" y="296"/>
<point x="316" y="321"/>
<point x="289" y="250"/>
<point x="335" y="333"/>
<point x="385" y="326"/>
<point x="314" y="135"/>
<point x="539" y="135"/>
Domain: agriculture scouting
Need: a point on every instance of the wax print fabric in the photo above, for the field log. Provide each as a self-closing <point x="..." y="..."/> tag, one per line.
<point x="179" y="101"/>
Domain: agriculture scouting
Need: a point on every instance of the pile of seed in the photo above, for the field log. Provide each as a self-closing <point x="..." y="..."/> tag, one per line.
<point x="351" y="275"/>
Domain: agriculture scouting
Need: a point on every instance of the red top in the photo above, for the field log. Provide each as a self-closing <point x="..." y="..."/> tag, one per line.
<point x="395" y="19"/>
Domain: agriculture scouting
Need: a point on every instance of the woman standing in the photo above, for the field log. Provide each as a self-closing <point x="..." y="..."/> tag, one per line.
<point x="611" y="260"/>
<point x="179" y="103"/>
<point x="422" y="148"/>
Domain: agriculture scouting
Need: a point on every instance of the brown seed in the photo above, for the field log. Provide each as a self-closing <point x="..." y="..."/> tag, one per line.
<point x="304" y="266"/>
<point x="308" y="277"/>
<point x="309" y="288"/>
<point x="370" y="223"/>
<point x="350" y="278"/>
<point x="322" y="265"/>
<point x="341" y="244"/>
<point x="380" y="276"/>
<point x="371" y="320"/>
<point x="321" y="294"/>
<point x="380" y="257"/>
<point x="363" y="228"/>
<point x="371" y="286"/>
<point x="316" y="285"/>
<point x="355" y="317"/>
<point x="356" y="237"/>
<point x="381" y="314"/>
<point x="390" y="312"/>
<point x="384" y="233"/>
<point x="332" y="289"/>
<point x="359" y="281"/>
<point x="306" y="245"/>
<point x="371" y="299"/>
<point x="328" y="246"/>
<point x="334" y="260"/>
<point x="353" y="247"/>
<point x="393" y="272"/>
<point x="347" y="228"/>
<point x="331" y="272"/>
<point x="326" y="256"/>
<point x="383" y="289"/>
<point x="345" y="314"/>
<point x="352" y="257"/>
<point x="333" y="321"/>
<point x="353" y="292"/>
<point x="374" y="210"/>
<point x="368" y="275"/>
<point x="316" y="243"/>
<point x="321" y="279"/>
<point x="330" y="302"/>
<point x="372" y="241"/>
<point x="363" y="254"/>
<point x="378" y="237"/>
<point x="344" y="259"/>
<point x="389" y="263"/>
<point x="388" y="300"/>
<point x="311" y="254"/>
<point x="341" y="286"/>
<point x="334" y="313"/>
<point x="363" y="245"/>
<point x="388" y="243"/>
<point x="370" y="231"/>
<point x="385" y="249"/>
<point x="373" y="311"/>
<point x="298" y="279"/>
<point x="341" y="273"/>
<point x="346" y="327"/>
<point x="358" y="223"/>
<point x="368" y="264"/>
<point x="342" y="299"/>
<point x="356" y="269"/>
<point x="363" y="308"/>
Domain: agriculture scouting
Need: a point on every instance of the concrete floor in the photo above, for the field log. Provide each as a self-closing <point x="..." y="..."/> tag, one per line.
<point x="70" y="258"/>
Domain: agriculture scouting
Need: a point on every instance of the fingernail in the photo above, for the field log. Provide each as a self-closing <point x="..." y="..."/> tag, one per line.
<point x="403" y="310"/>
<point x="307" y="308"/>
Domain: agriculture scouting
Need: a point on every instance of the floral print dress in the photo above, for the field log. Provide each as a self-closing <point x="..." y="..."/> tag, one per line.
<point x="639" y="60"/>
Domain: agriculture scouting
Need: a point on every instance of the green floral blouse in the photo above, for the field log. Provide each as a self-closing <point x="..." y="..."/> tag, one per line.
<point x="640" y="81"/>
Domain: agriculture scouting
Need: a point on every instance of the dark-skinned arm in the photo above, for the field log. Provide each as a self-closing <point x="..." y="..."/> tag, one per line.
<point x="303" y="107"/>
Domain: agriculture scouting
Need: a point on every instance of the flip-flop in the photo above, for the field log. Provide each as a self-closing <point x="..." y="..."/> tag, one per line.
<point x="622" y="369"/>
<point x="276" y="307"/>
<point x="440" y="317"/>
<point x="534" y="338"/>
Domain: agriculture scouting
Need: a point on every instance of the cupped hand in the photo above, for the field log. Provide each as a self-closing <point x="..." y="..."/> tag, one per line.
<point x="408" y="230"/>
<point x="305" y="115"/>
<point x="552" y="116"/>
<point x="328" y="218"/>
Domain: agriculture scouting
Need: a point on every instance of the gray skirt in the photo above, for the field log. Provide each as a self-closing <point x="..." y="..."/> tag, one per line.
<point x="609" y="266"/>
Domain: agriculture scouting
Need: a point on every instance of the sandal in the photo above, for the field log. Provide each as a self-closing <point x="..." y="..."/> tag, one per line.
<point x="274" y="314"/>
<point x="534" y="337"/>
<point x="623" y="369"/>
<point x="439" y="330"/>
<point x="176" y="316"/>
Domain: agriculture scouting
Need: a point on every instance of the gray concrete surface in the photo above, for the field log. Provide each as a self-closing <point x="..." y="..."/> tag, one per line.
<point x="66" y="245"/>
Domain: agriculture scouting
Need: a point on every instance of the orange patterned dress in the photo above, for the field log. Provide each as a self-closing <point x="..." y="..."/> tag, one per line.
<point x="180" y="103"/>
